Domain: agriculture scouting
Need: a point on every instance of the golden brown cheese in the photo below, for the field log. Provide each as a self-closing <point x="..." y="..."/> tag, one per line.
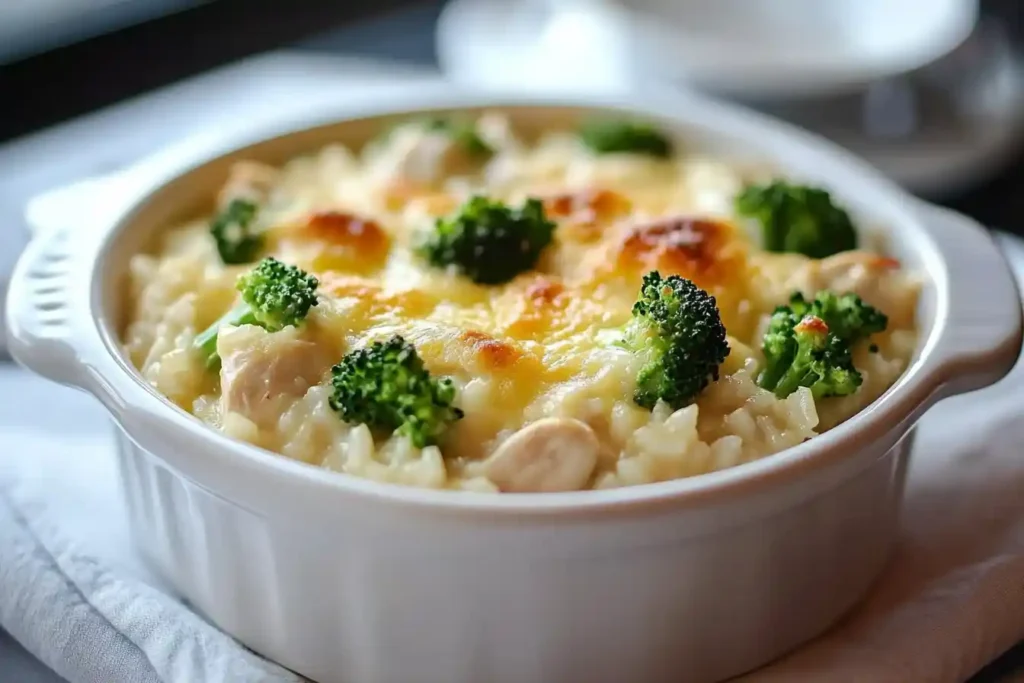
<point x="333" y="240"/>
<point x="584" y="215"/>
<point x="704" y="251"/>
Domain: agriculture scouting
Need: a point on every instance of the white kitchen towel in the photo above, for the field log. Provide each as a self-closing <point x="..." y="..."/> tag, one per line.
<point x="74" y="593"/>
<point x="91" y="621"/>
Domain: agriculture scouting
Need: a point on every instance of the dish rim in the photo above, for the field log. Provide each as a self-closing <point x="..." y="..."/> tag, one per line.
<point x="139" y="408"/>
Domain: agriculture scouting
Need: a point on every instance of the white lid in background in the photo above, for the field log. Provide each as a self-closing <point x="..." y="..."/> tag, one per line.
<point x="515" y="43"/>
<point x="790" y="48"/>
<point x="741" y="48"/>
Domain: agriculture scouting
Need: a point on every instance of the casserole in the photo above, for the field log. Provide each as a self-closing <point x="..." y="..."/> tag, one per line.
<point x="394" y="246"/>
<point x="349" y="580"/>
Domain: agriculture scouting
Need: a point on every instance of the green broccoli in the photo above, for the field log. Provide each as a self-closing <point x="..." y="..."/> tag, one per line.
<point x="810" y="344"/>
<point x="677" y="326"/>
<point x="464" y="134"/>
<point x="274" y="296"/>
<point x="800" y="352"/>
<point x="386" y="387"/>
<point x="489" y="242"/>
<point x="232" y="230"/>
<point x="846" y="315"/>
<point x="797" y="218"/>
<point x="617" y="136"/>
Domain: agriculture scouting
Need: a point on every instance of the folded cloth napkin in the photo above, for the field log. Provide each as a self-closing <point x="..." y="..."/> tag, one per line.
<point x="80" y="603"/>
<point x="75" y="595"/>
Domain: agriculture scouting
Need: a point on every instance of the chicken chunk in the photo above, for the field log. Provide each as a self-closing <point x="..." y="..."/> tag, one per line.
<point x="553" y="454"/>
<point x="878" y="280"/>
<point x="423" y="158"/>
<point x="249" y="180"/>
<point x="261" y="370"/>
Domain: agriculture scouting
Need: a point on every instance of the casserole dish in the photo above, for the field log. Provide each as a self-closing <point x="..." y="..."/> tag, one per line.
<point x="344" y="579"/>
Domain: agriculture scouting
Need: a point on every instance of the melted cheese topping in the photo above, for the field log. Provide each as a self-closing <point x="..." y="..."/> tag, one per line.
<point x="532" y="348"/>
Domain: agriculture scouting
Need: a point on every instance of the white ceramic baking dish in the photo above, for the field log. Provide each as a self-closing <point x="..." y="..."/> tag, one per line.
<point x="350" y="581"/>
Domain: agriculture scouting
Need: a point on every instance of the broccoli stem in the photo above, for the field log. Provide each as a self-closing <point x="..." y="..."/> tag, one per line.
<point x="801" y="373"/>
<point x="274" y="296"/>
<point x="206" y="341"/>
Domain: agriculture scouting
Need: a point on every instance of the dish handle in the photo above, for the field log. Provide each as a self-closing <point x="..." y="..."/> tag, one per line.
<point x="42" y="305"/>
<point x="983" y="313"/>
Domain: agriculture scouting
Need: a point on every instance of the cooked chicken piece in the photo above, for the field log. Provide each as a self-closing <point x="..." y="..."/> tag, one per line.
<point x="423" y="158"/>
<point x="258" y="369"/>
<point x="249" y="180"/>
<point x="876" y="279"/>
<point x="552" y="454"/>
<point x="496" y="129"/>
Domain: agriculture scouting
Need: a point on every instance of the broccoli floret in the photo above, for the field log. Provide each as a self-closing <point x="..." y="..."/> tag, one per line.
<point x="489" y="242"/>
<point x="810" y="344"/>
<point x="800" y="352"/>
<point x="464" y="134"/>
<point x="797" y="218"/>
<point x="274" y="296"/>
<point x="678" y="326"/>
<point x="846" y="315"/>
<point x="610" y="137"/>
<point x="232" y="229"/>
<point x="386" y="387"/>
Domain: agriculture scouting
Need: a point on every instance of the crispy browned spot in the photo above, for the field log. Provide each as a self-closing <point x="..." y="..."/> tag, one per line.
<point x="334" y="240"/>
<point x="345" y="229"/>
<point x="401" y="192"/>
<point x="438" y="203"/>
<point x="493" y="353"/>
<point x="533" y="304"/>
<point x="584" y="211"/>
<point x="545" y="291"/>
<point x="887" y="262"/>
<point x="372" y="297"/>
<point x="812" y="323"/>
<point x="546" y="309"/>
<point x="700" y="249"/>
<point x="586" y="205"/>
<point x="397" y="193"/>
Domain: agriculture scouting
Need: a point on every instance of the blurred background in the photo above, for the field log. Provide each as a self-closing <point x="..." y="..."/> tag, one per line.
<point x="930" y="91"/>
